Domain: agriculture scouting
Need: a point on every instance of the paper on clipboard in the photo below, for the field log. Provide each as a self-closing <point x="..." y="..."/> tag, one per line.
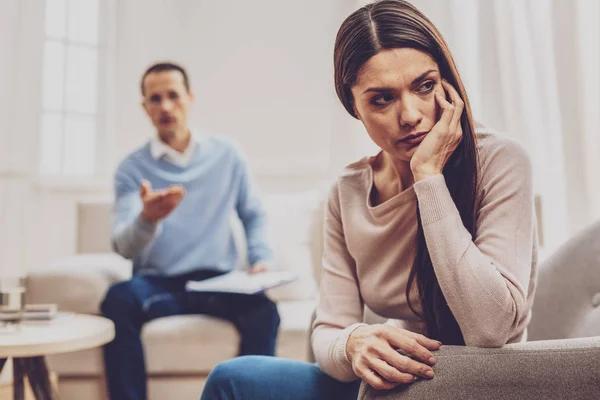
<point x="242" y="282"/>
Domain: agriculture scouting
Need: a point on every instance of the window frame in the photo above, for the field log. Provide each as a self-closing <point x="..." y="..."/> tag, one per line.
<point x="101" y="115"/>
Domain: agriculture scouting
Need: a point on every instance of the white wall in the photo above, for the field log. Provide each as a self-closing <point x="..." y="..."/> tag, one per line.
<point x="261" y="72"/>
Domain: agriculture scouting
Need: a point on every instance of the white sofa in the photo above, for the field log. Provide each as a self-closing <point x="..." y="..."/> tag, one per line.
<point x="180" y="350"/>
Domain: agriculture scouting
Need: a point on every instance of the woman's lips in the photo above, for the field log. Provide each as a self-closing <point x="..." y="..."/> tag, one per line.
<point x="414" y="139"/>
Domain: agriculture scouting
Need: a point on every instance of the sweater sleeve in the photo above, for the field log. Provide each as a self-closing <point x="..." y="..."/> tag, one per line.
<point x="252" y="213"/>
<point x="484" y="279"/>
<point x="340" y="309"/>
<point x="131" y="233"/>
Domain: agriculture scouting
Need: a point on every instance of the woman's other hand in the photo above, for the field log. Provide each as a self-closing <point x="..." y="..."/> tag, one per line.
<point x="372" y="350"/>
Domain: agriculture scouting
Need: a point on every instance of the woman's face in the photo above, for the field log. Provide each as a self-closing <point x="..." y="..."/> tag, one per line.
<point x="394" y="99"/>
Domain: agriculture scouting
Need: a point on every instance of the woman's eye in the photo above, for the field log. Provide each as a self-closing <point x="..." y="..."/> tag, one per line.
<point x="382" y="99"/>
<point x="426" y="87"/>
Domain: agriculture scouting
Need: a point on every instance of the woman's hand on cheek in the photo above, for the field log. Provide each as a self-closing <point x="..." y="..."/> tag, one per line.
<point x="434" y="151"/>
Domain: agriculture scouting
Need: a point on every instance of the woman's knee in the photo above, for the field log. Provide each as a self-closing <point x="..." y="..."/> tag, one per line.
<point x="260" y="377"/>
<point x="236" y="369"/>
<point x="228" y="378"/>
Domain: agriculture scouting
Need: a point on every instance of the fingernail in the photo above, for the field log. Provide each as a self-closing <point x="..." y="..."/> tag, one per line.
<point x="432" y="360"/>
<point x="415" y="378"/>
<point x="429" y="374"/>
<point x="439" y="343"/>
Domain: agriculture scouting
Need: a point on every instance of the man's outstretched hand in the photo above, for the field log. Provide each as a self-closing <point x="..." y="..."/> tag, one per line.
<point x="158" y="204"/>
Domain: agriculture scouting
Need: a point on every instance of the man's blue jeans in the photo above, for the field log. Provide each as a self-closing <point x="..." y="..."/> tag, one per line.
<point x="132" y="303"/>
<point x="270" y="378"/>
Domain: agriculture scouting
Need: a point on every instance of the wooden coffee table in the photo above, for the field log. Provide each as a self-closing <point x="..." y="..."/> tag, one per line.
<point x="29" y="345"/>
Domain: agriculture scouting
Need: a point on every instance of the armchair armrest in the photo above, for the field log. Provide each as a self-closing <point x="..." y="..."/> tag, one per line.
<point x="552" y="369"/>
<point x="77" y="283"/>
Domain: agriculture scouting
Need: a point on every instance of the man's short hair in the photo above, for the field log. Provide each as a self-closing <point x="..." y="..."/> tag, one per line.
<point x="165" y="66"/>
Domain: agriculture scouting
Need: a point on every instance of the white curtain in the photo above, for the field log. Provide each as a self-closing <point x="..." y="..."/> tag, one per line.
<point x="531" y="70"/>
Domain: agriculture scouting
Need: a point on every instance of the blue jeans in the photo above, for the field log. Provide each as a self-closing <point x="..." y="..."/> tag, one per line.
<point x="132" y="303"/>
<point x="270" y="378"/>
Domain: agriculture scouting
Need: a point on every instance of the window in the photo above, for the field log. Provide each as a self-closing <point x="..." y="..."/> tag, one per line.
<point x="72" y="112"/>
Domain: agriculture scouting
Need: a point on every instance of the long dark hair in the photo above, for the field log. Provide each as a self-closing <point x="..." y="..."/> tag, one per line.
<point x="390" y="24"/>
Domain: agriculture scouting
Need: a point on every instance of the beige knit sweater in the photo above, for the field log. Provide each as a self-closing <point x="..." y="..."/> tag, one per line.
<point x="488" y="280"/>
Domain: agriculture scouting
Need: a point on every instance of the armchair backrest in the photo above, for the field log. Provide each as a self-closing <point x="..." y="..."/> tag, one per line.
<point x="567" y="300"/>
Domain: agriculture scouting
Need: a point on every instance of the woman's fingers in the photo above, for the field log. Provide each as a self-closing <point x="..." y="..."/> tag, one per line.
<point x="377" y="362"/>
<point x="426" y="342"/>
<point x="455" y="99"/>
<point x="399" y="340"/>
<point x="406" y="364"/>
<point x="458" y="104"/>
<point x="389" y="372"/>
<point x="373" y="379"/>
<point x="447" y="113"/>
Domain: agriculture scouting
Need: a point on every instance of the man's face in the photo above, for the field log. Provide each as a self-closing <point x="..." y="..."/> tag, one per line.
<point x="167" y="101"/>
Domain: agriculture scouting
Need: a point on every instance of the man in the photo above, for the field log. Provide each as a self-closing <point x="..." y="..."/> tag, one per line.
<point x="174" y="199"/>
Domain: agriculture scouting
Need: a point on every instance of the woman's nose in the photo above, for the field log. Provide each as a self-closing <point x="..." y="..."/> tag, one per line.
<point x="408" y="113"/>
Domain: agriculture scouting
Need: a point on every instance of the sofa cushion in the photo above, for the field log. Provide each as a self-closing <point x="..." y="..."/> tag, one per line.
<point x="188" y="343"/>
<point x="194" y="344"/>
<point x="77" y="283"/>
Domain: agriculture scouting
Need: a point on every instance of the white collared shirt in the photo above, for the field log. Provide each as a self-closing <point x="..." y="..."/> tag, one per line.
<point x="159" y="149"/>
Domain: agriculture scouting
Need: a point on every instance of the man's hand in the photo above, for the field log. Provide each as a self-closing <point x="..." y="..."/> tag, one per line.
<point x="158" y="204"/>
<point x="258" y="267"/>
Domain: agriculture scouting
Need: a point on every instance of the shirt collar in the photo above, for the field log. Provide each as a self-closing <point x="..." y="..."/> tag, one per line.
<point x="158" y="149"/>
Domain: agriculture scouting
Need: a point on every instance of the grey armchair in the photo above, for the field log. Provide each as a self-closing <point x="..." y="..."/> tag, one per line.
<point x="561" y="359"/>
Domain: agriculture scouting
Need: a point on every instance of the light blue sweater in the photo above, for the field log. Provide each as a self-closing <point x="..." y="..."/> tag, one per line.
<point x="198" y="234"/>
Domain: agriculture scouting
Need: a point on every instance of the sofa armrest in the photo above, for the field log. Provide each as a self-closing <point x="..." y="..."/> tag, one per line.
<point x="553" y="369"/>
<point x="77" y="283"/>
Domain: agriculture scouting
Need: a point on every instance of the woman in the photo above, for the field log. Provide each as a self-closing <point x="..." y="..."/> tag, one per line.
<point x="437" y="231"/>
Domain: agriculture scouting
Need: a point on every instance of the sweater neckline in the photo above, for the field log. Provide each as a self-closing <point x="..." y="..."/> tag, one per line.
<point x="407" y="196"/>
